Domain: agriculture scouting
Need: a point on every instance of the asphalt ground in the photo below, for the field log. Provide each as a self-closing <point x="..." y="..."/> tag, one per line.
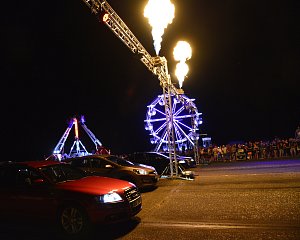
<point x="235" y="200"/>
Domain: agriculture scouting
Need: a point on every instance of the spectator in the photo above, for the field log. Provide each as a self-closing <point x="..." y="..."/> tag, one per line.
<point x="215" y="151"/>
<point x="293" y="148"/>
<point x="233" y="152"/>
<point x="255" y="150"/>
<point x="280" y="149"/>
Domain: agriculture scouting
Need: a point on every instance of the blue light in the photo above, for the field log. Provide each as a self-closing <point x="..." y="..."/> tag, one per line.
<point x="186" y="120"/>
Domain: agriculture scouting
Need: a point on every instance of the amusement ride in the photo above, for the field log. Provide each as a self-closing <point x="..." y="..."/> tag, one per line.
<point x="77" y="148"/>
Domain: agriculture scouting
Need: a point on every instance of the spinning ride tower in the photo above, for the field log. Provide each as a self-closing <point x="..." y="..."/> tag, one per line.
<point x="77" y="149"/>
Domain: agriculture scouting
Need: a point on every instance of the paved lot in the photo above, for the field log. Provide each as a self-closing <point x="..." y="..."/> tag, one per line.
<point x="244" y="200"/>
<point x="241" y="200"/>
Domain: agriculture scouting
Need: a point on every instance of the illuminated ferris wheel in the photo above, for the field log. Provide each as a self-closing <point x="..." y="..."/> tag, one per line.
<point x="186" y="120"/>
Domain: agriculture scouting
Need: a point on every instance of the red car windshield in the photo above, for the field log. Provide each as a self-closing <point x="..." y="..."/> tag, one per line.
<point x="62" y="172"/>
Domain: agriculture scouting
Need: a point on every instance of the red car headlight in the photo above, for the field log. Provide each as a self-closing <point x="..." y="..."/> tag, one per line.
<point x="109" y="198"/>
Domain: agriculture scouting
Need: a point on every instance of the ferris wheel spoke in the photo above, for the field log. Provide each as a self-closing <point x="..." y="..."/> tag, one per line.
<point x="162" y="140"/>
<point x="160" y="128"/>
<point x="164" y="136"/>
<point x="183" y="132"/>
<point x="178" y="135"/>
<point x="155" y="120"/>
<point x="162" y="113"/>
<point x="152" y="111"/>
<point x="182" y="117"/>
<point x="184" y="125"/>
<point x="180" y="110"/>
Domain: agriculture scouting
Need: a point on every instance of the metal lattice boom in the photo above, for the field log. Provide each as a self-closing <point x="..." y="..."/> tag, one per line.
<point x="157" y="65"/>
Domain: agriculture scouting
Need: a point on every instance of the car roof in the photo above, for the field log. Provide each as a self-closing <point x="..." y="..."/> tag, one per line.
<point x="38" y="164"/>
<point x="87" y="156"/>
<point x="90" y="156"/>
<point x="149" y="152"/>
<point x="159" y="153"/>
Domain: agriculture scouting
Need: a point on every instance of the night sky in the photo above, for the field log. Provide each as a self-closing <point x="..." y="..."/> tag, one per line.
<point x="59" y="61"/>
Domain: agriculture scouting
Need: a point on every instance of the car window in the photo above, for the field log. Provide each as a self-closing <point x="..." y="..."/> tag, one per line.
<point x="139" y="157"/>
<point x="62" y="172"/>
<point x="80" y="162"/>
<point x="96" y="163"/>
<point x="23" y="176"/>
<point x="153" y="157"/>
<point x="120" y="161"/>
<point x="18" y="176"/>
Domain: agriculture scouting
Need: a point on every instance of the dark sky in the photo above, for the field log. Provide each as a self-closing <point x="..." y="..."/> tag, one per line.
<point x="59" y="61"/>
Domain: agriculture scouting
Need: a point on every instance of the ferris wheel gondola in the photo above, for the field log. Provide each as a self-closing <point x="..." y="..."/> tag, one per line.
<point x="186" y="120"/>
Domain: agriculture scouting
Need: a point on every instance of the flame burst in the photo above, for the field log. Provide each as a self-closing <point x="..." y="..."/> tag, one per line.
<point x="182" y="52"/>
<point x="160" y="13"/>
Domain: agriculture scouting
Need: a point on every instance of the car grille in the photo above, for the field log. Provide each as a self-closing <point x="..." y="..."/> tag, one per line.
<point x="134" y="198"/>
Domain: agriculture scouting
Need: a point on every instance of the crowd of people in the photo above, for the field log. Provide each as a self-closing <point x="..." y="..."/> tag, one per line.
<point x="276" y="148"/>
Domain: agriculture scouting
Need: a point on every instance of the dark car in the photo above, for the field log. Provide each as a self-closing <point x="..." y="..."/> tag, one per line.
<point x="160" y="161"/>
<point x="57" y="192"/>
<point x="116" y="167"/>
<point x="185" y="161"/>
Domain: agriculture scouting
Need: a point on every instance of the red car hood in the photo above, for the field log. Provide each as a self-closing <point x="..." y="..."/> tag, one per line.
<point x="95" y="185"/>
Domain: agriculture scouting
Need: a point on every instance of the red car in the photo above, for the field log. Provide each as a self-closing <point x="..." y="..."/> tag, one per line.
<point x="48" y="190"/>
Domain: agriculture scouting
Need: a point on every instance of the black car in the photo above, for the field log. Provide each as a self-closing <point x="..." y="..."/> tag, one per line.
<point x="160" y="161"/>
<point x="185" y="161"/>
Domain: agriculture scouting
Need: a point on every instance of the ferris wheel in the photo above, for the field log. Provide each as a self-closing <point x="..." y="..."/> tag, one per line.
<point x="186" y="120"/>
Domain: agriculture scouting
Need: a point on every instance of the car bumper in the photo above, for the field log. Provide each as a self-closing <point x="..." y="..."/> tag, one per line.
<point x="116" y="212"/>
<point x="148" y="181"/>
